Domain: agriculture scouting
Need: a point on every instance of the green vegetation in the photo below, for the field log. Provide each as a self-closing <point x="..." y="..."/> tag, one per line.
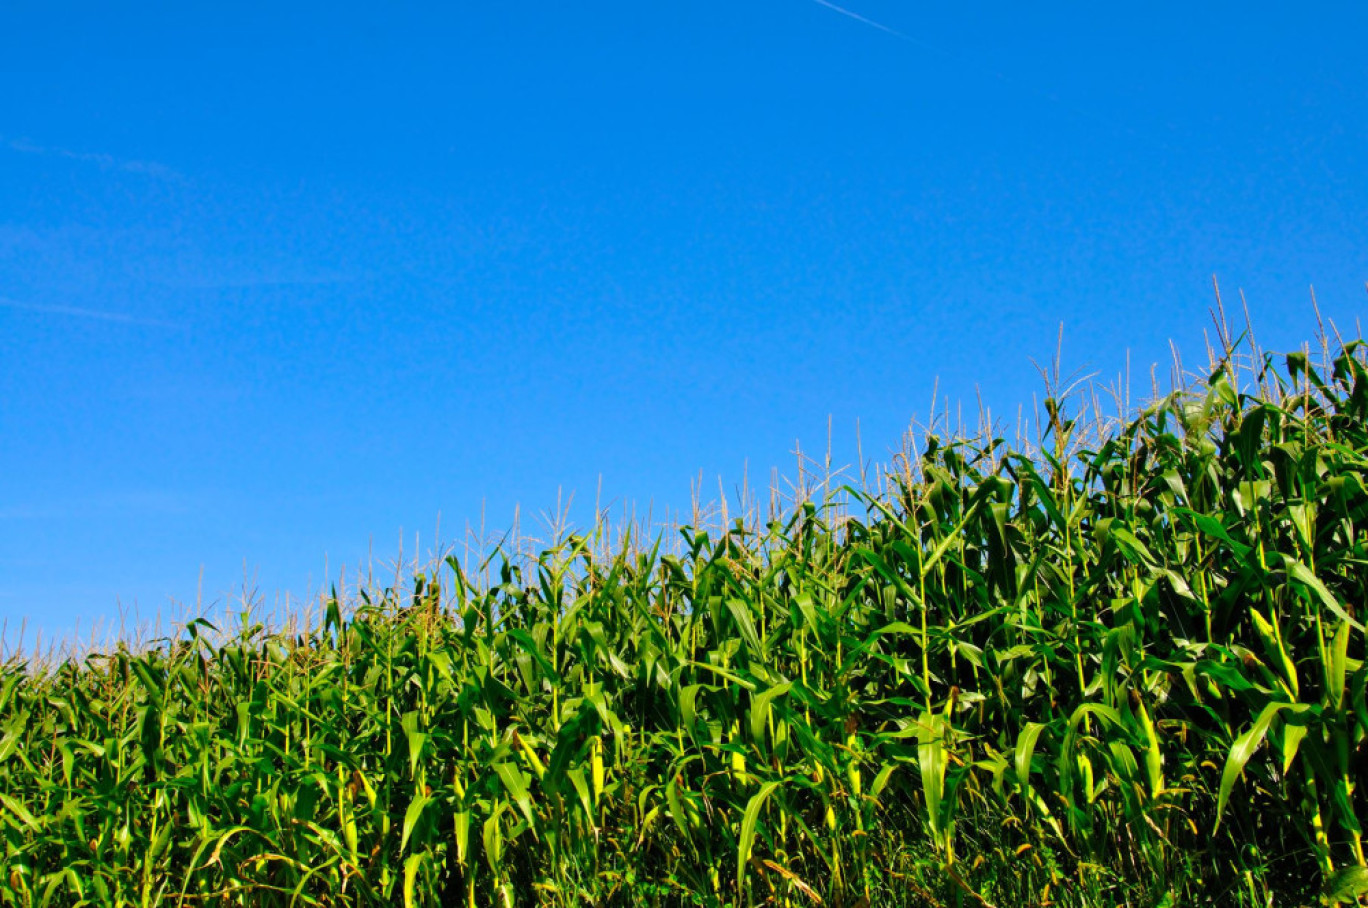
<point x="1123" y="666"/>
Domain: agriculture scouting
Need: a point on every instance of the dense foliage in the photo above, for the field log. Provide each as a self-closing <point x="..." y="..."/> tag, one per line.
<point x="1122" y="670"/>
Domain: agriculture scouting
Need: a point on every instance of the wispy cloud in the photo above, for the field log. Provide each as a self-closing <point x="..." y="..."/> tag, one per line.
<point x="30" y="512"/>
<point x="79" y="312"/>
<point x="99" y="159"/>
<point x="127" y="502"/>
<point x="267" y="280"/>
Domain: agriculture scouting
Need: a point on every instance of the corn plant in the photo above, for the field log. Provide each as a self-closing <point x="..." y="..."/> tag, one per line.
<point x="1120" y="666"/>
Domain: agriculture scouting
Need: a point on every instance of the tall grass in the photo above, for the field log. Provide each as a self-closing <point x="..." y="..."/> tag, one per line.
<point x="1123" y="666"/>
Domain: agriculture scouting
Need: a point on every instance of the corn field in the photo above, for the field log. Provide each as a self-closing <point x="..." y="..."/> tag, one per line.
<point x="1124" y="666"/>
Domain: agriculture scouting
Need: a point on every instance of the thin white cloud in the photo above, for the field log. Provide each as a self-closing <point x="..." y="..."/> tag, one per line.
<point x="133" y="501"/>
<point x="247" y="281"/>
<point x="78" y="312"/>
<point x="103" y="161"/>
<point x="31" y="512"/>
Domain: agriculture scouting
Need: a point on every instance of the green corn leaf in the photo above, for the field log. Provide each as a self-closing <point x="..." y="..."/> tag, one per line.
<point x="748" y="821"/>
<point x="581" y="785"/>
<point x="1025" y="749"/>
<point x="1154" y="754"/>
<point x="9" y="744"/>
<point x="740" y="612"/>
<point x="1130" y="544"/>
<point x="881" y="780"/>
<point x="493" y="838"/>
<point x="1346" y="885"/>
<point x="412" y="815"/>
<point x="1212" y="526"/>
<point x="20" y="812"/>
<point x="516" y="785"/>
<point x="809" y="611"/>
<point x="931" y="758"/>
<point x="688" y="706"/>
<point x="760" y="709"/>
<point x="411" y="868"/>
<point x="1273" y="645"/>
<point x="461" y="822"/>
<point x="1338" y="668"/>
<point x="1304" y="575"/>
<point x="677" y="812"/>
<point x="1244" y="748"/>
<point x="730" y="676"/>
<point x="150" y="683"/>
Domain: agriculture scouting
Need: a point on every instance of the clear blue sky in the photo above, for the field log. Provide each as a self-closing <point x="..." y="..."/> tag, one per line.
<point x="280" y="281"/>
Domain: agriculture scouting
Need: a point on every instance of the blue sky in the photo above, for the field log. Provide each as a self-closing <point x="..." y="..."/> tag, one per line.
<point x="280" y="283"/>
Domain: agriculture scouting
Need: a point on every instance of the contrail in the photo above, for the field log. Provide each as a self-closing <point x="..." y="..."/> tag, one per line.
<point x="858" y="18"/>
<point x="1095" y="120"/>
<point x="904" y="36"/>
<point x="901" y="36"/>
<point x="78" y="312"/>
